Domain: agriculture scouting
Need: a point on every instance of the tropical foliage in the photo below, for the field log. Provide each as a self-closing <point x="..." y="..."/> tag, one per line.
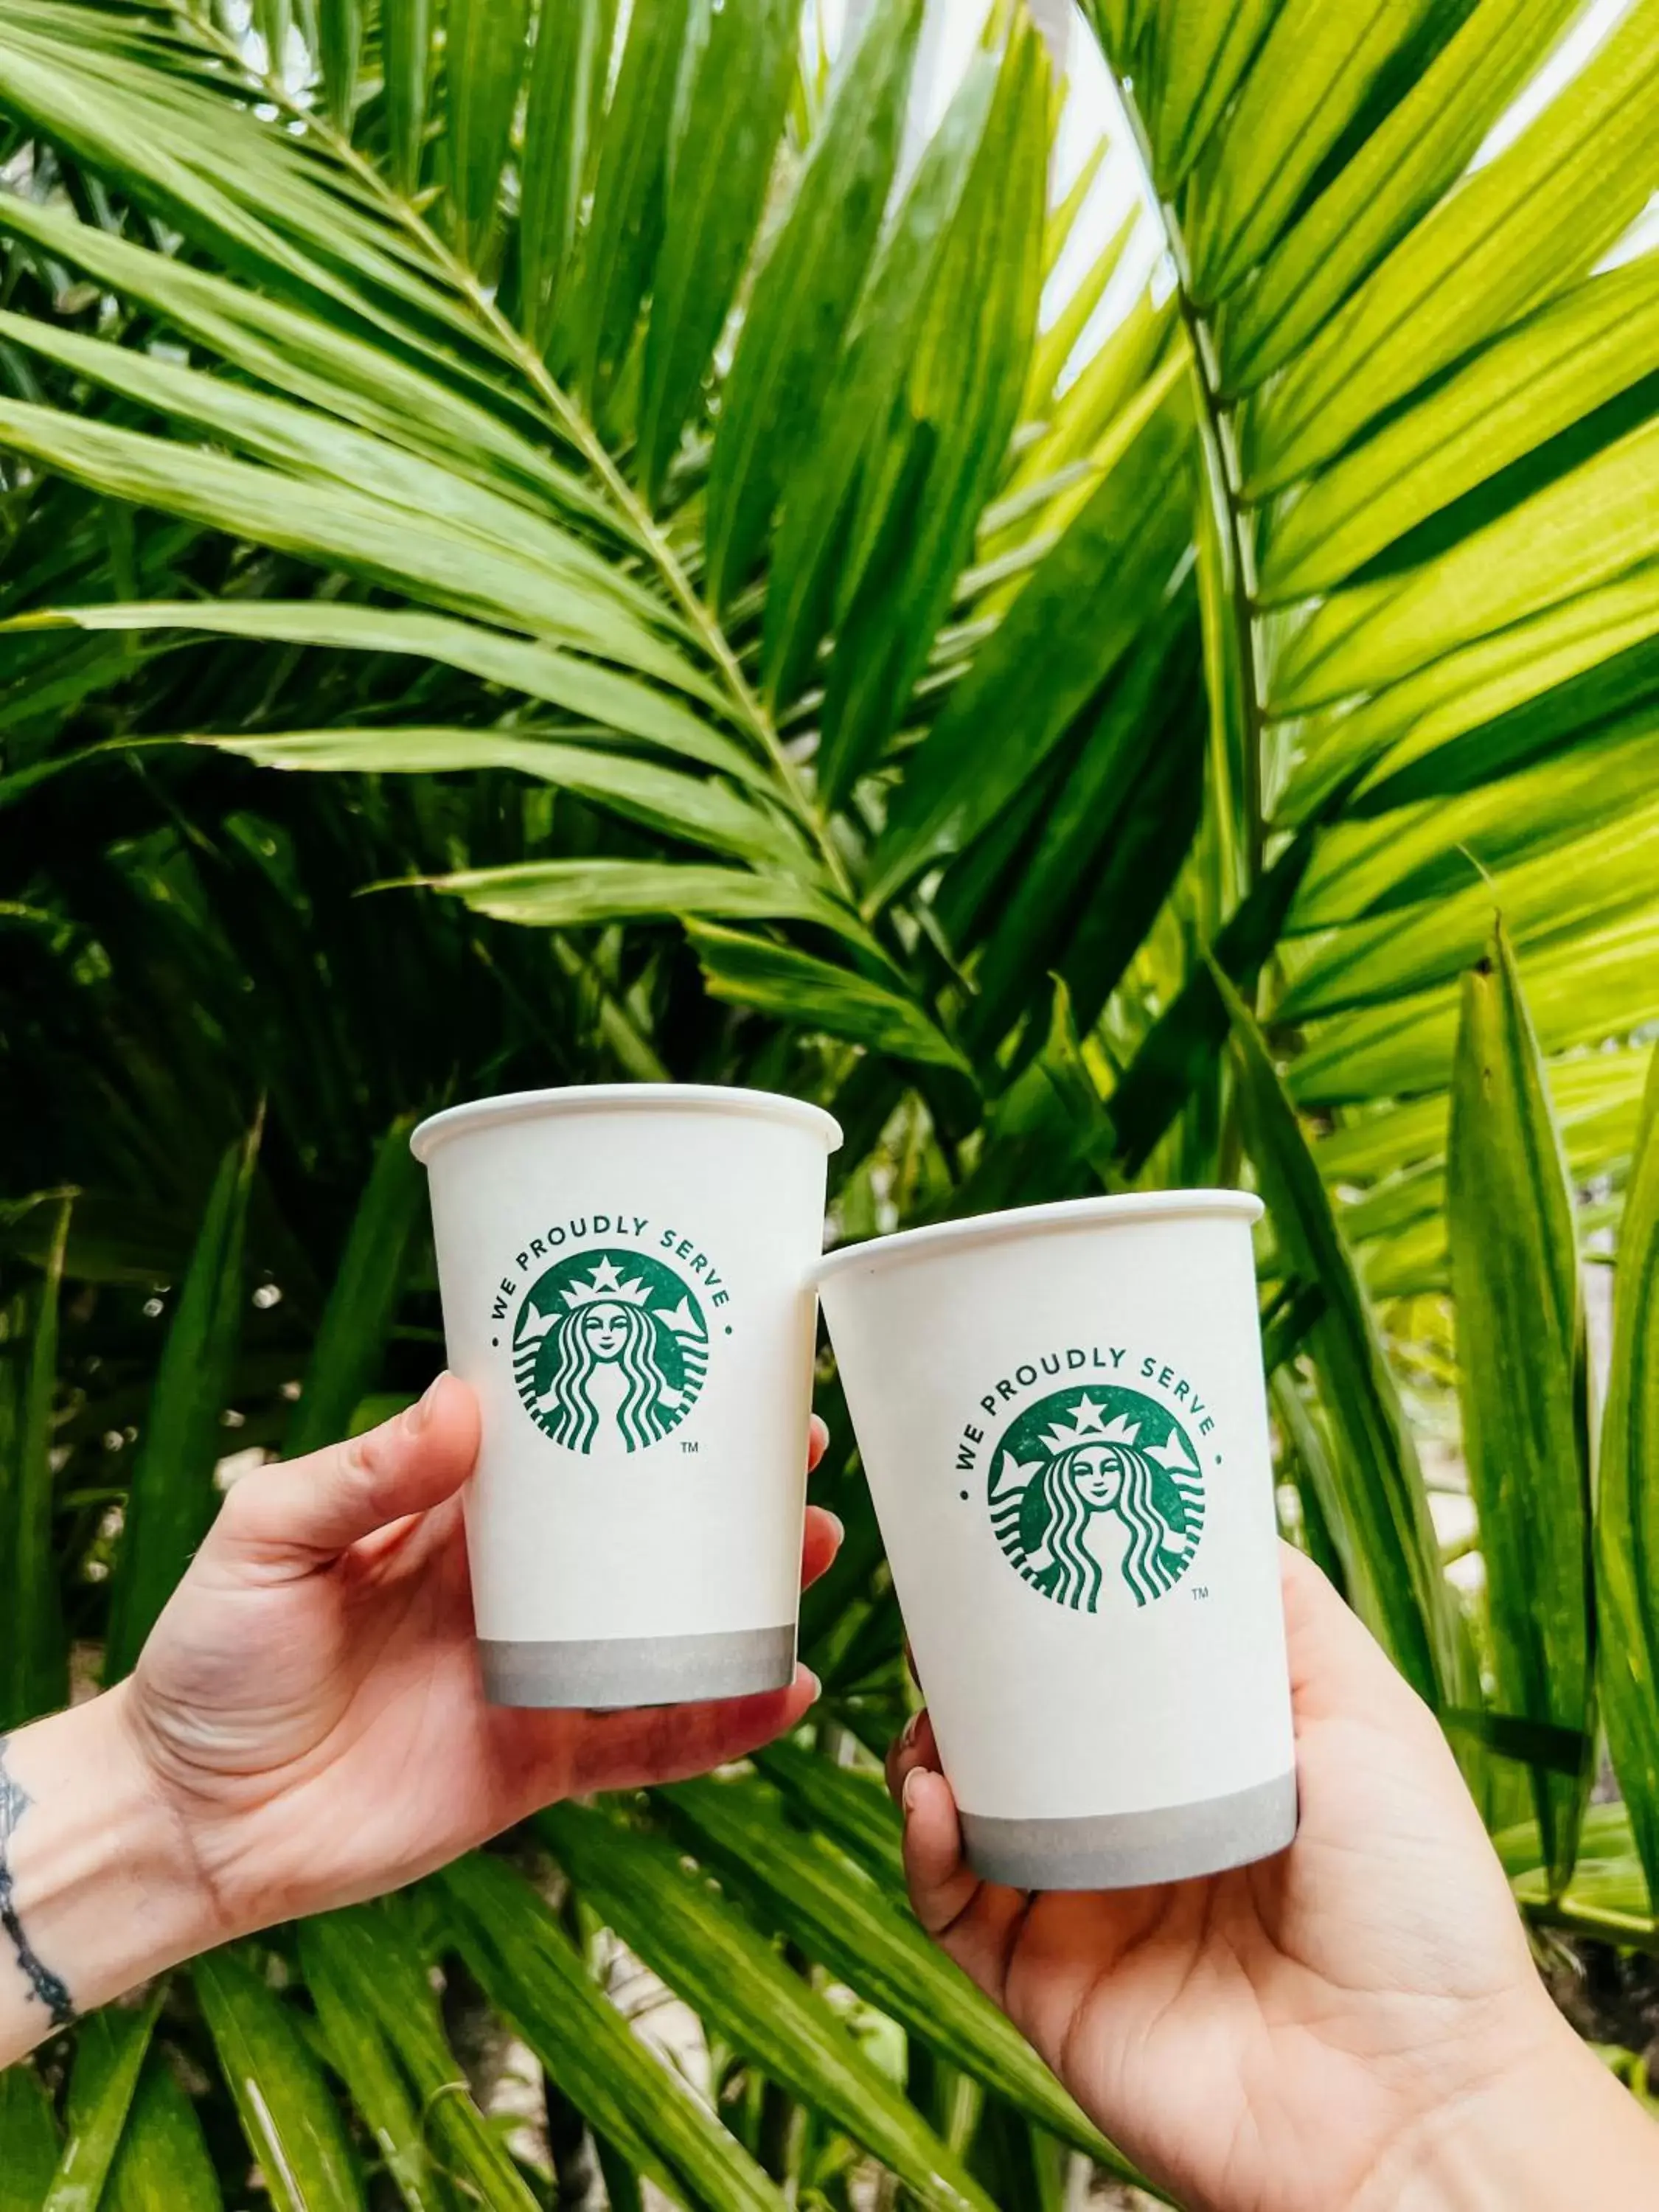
<point x="732" y="630"/>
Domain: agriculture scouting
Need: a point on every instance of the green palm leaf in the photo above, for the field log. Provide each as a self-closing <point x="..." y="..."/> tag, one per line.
<point x="681" y="507"/>
<point x="749" y="1994"/>
<point x="821" y="1901"/>
<point x="29" y="2140"/>
<point x="363" y="2058"/>
<point x="1526" y="1416"/>
<point x="293" y="2127"/>
<point x="804" y="295"/>
<point x="109" y="2059"/>
<point x="581" y="688"/>
<point x="530" y="1968"/>
<point x="33" y="1657"/>
<point x="384" y="1998"/>
<point x="163" y="2164"/>
<point x="1629" y="1651"/>
<point x="172" y="1500"/>
<point x="1385" y="1498"/>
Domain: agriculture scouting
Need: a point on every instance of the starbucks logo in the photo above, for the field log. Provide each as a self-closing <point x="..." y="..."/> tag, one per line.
<point x="609" y="1349"/>
<point x="1095" y="1483"/>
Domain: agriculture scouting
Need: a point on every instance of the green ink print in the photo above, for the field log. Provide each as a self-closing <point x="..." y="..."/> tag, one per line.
<point x="609" y="1350"/>
<point x="1093" y="1482"/>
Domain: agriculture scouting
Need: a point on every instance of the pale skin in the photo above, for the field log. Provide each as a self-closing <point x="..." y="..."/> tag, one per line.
<point x="306" y="1728"/>
<point x="1355" y="2025"/>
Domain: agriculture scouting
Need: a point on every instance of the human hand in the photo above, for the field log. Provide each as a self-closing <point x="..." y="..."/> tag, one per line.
<point x="307" y="1708"/>
<point x="306" y="1728"/>
<point x="1356" y="2023"/>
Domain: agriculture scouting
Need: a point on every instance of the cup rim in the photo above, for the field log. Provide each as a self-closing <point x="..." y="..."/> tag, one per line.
<point x="1018" y="1221"/>
<point x="626" y="1097"/>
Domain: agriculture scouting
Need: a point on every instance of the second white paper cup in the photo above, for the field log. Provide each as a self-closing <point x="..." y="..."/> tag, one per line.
<point x="626" y="1274"/>
<point x="1063" y="1421"/>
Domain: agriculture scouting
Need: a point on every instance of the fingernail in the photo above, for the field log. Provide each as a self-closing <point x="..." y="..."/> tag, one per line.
<point x="421" y="1412"/>
<point x="912" y="1730"/>
<point x="836" y="1523"/>
<point x="817" y="1686"/>
<point x="912" y="1789"/>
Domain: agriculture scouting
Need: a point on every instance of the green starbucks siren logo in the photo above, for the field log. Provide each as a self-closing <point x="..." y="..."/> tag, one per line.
<point x="1095" y="1481"/>
<point x="608" y="1348"/>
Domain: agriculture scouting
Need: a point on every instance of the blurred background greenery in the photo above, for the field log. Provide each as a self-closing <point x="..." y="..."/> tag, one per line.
<point x="761" y="569"/>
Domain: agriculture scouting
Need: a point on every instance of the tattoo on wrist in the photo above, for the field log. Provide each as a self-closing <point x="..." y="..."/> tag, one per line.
<point x="43" y="1984"/>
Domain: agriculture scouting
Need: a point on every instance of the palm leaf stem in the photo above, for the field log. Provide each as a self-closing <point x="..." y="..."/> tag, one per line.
<point x="1597" y="1923"/>
<point x="1223" y="482"/>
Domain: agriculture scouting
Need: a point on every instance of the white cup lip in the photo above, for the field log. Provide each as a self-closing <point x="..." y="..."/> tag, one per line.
<point x="626" y="1097"/>
<point x="1021" y="1221"/>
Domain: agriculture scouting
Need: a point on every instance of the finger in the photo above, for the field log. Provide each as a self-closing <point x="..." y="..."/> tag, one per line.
<point x="978" y="1923"/>
<point x="666" y="1743"/>
<point x="291" y="1517"/>
<point x="404" y="1549"/>
<point x="943" y="1886"/>
<point x="818" y="1441"/>
<point x="823" y="1540"/>
<point x="917" y="1747"/>
<point x="1336" y="1664"/>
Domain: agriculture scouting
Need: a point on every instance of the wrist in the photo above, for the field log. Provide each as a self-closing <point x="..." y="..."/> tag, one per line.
<point x="102" y="1887"/>
<point x="1534" y="2123"/>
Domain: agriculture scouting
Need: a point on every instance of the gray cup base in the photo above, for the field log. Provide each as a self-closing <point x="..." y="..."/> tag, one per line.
<point x="1126" y="1851"/>
<point x="605" y="1674"/>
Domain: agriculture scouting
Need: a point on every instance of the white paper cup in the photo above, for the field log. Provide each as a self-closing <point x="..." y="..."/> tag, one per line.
<point x="626" y="1274"/>
<point x="1064" y="1424"/>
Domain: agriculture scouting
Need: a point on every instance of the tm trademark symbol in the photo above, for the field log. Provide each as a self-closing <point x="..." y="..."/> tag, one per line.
<point x="687" y="1444"/>
<point x="1201" y="1590"/>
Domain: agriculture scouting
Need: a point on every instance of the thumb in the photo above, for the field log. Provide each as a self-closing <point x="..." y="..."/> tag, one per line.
<point x="1337" y="1666"/>
<point x="300" y="1513"/>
